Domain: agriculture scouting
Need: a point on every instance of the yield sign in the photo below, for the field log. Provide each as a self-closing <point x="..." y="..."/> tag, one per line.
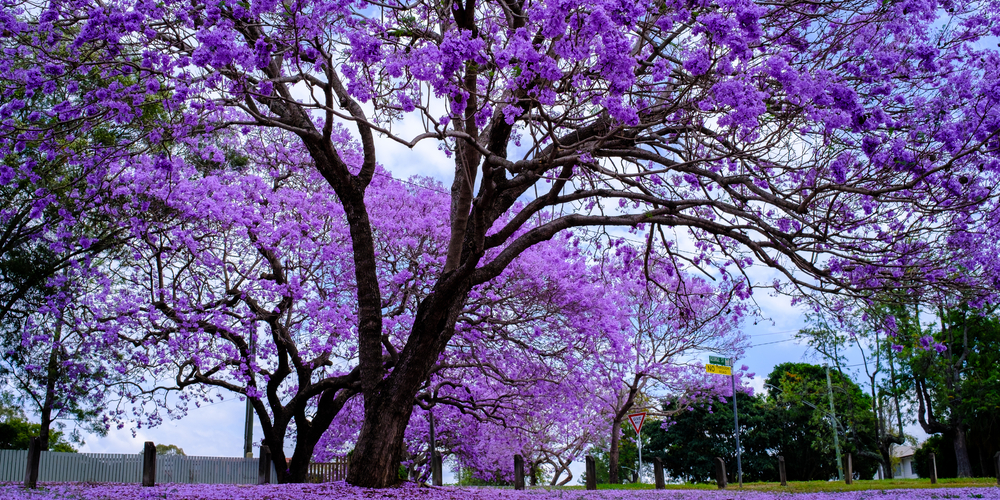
<point x="636" y="419"/>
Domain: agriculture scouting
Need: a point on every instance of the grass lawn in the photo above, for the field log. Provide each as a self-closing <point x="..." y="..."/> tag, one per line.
<point x="814" y="486"/>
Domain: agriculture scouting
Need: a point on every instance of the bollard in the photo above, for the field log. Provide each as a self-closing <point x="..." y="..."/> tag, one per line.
<point x="149" y="464"/>
<point x="849" y="475"/>
<point x="933" y="469"/>
<point x="591" y="473"/>
<point x="781" y="471"/>
<point x="658" y="473"/>
<point x="720" y="473"/>
<point x="34" y="456"/>
<point x="518" y="472"/>
<point x="264" y="466"/>
<point x="436" y="469"/>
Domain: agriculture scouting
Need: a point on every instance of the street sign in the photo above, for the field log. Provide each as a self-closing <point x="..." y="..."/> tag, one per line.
<point x="716" y="360"/>
<point x="719" y="370"/>
<point x="636" y="419"/>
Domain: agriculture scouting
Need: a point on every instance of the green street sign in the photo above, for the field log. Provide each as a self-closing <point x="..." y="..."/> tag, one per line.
<point x="716" y="360"/>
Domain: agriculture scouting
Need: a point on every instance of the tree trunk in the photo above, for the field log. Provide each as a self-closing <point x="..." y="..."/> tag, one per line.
<point x="51" y="374"/>
<point x="375" y="461"/>
<point x="962" y="462"/>
<point x="613" y="455"/>
<point x="389" y="404"/>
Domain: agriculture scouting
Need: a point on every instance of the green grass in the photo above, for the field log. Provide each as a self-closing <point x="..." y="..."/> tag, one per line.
<point x="815" y="486"/>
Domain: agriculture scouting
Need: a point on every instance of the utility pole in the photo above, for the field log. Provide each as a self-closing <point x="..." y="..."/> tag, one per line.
<point x="833" y="423"/>
<point x="736" y="423"/>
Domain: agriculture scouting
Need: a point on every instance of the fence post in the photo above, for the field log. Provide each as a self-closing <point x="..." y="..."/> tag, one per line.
<point x="781" y="471"/>
<point x="933" y="469"/>
<point x="149" y="464"/>
<point x="34" y="454"/>
<point x="658" y="473"/>
<point x="720" y="473"/>
<point x="591" y="473"/>
<point x="518" y="472"/>
<point x="435" y="469"/>
<point x="849" y="475"/>
<point x="996" y="465"/>
<point x="264" y="466"/>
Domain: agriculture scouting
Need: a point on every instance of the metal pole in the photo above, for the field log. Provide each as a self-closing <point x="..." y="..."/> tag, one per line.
<point x="736" y="423"/>
<point x="639" y="436"/>
<point x="833" y="424"/>
<point x="248" y="430"/>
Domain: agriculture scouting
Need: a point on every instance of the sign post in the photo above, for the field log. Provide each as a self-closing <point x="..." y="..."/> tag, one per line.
<point x="723" y="366"/>
<point x="637" y="419"/>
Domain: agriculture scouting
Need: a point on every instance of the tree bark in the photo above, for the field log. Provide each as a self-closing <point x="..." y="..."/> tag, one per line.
<point x="51" y="374"/>
<point x="614" y="475"/>
<point x="962" y="462"/>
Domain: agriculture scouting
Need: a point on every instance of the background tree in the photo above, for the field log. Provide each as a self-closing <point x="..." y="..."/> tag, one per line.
<point x="838" y="329"/>
<point x="770" y="425"/>
<point x="801" y="389"/>
<point x="169" y="449"/>
<point x="59" y="190"/>
<point x="693" y="435"/>
<point x="956" y="384"/>
<point x="16" y="432"/>
<point x="668" y="315"/>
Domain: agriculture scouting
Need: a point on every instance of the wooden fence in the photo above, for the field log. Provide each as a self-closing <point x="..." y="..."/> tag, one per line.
<point x="125" y="468"/>
<point x="329" y="471"/>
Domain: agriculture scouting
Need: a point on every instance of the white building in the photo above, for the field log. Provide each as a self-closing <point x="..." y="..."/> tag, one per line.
<point x="903" y="464"/>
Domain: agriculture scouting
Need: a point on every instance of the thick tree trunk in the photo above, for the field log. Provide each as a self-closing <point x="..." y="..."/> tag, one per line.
<point x="962" y="462"/>
<point x="614" y="475"/>
<point x="375" y="461"/>
<point x="389" y="404"/>
<point x="886" y="462"/>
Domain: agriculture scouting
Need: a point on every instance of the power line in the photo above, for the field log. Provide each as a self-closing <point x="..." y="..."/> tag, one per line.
<point x="774" y="342"/>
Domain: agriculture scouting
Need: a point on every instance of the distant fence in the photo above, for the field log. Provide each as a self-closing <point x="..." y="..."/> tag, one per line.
<point x="328" y="471"/>
<point x="124" y="468"/>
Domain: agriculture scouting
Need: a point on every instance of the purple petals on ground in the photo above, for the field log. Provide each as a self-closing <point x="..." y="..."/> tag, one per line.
<point x="340" y="490"/>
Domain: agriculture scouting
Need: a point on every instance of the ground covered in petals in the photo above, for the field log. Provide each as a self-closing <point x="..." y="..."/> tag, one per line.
<point x="83" y="491"/>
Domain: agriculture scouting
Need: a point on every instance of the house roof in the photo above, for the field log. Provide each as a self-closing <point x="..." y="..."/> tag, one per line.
<point x="902" y="451"/>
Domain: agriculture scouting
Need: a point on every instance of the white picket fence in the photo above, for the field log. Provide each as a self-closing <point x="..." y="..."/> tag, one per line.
<point x="121" y="468"/>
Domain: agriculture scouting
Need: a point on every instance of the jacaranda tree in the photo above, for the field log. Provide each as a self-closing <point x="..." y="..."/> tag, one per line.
<point x="843" y="143"/>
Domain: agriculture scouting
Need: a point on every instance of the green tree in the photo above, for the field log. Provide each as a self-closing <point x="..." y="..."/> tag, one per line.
<point x="693" y="437"/>
<point x="803" y="391"/>
<point x="16" y="432"/>
<point x="169" y="449"/>
<point x="789" y="421"/>
<point x="865" y="333"/>
<point x="957" y="387"/>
